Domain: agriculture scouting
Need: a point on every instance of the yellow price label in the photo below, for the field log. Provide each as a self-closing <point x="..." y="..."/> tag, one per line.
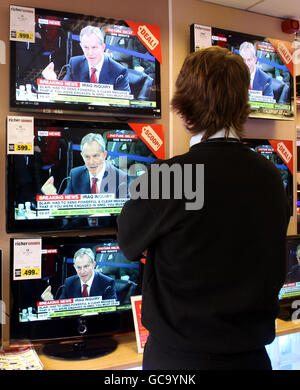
<point x="23" y="148"/>
<point x="30" y="272"/>
<point x="24" y="35"/>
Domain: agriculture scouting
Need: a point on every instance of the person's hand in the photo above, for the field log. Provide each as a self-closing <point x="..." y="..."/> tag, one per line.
<point x="48" y="73"/>
<point x="47" y="294"/>
<point x="49" y="188"/>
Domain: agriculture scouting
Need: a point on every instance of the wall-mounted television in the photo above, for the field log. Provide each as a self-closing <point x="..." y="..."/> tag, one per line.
<point x="54" y="306"/>
<point x="52" y="189"/>
<point x="280" y="153"/>
<point x="271" y="91"/>
<point x="54" y="74"/>
<point x="290" y="291"/>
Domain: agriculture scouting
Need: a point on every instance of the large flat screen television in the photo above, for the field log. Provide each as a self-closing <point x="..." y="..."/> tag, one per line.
<point x="280" y="153"/>
<point x="289" y="294"/>
<point x="54" y="74"/>
<point x="52" y="188"/>
<point x="54" y="307"/>
<point x="271" y="93"/>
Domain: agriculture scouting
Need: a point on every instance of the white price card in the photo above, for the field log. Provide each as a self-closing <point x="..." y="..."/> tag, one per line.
<point x="20" y="134"/>
<point x="27" y="260"/>
<point x="202" y="36"/>
<point x="22" y="24"/>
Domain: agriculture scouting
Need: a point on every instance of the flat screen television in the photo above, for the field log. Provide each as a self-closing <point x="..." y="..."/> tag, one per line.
<point x="66" y="312"/>
<point x="69" y="203"/>
<point x="280" y="153"/>
<point x="289" y="294"/>
<point x="52" y="74"/>
<point x="271" y="93"/>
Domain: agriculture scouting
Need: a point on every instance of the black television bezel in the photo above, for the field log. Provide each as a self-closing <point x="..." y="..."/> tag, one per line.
<point x="81" y="109"/>
<point x="290" y="194"/>
<point x="54" y="225"/>
<point x="253" y="114"/>
<point x="105" y="324"/>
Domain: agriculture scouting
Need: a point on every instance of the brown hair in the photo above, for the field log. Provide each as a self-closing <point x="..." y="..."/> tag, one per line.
<point x="212" y="92"/>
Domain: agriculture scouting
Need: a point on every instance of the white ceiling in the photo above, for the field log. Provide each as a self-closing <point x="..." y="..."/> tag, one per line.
<point x="284" y="9"/>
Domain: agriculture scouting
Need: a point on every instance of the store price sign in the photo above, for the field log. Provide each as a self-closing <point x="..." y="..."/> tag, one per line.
<point x="20" y="134"/>
<point x="27" y="258"/>
<point x="22" y="24"/>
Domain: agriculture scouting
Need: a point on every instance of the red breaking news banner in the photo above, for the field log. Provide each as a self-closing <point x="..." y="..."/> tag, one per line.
<point x="285" y="51"/>
<point x="285" y="151"/>
<point x="152" y="135"/>
<point x="149" y="35"/>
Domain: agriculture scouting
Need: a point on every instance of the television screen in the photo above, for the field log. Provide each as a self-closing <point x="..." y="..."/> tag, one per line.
<point x="290" y="291"/>
<point x="54" y="188"/>
<point x="271" y="90"/>
<point x="82" y="287"/>
<point x="280" y="153"/>
<point x="85" y="64"/>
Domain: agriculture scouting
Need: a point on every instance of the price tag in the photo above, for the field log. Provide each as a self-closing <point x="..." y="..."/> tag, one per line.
<point x="20" y="135"/>
<point x="202" y="36"/>
<point x="22" y="24"/>
<point x="27" y="258"/>
<point x="21" y="36"/>
<point x="22" y="147"/>
<point x="30" y="272"/>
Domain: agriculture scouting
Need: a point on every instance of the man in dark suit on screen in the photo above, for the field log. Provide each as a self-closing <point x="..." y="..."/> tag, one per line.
<point x="96" y="176"/>
<point x="259" y="80"/>
<point x="94" y="66"/>
<point x="86" y="282"/>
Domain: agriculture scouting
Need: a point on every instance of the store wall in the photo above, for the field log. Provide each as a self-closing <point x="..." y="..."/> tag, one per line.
<point x="174" y="18"/>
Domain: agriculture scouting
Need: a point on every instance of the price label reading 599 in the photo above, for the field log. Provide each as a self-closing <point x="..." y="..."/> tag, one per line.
<point x="24" y="35"/>
<point x="23" y="148"/>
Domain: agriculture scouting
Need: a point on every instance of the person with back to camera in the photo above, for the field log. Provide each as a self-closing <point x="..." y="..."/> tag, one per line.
<point x="94" y="66"/>
<point x="96" y="176"/>
<point x="259" y="80"/>
<point x="86" y="282"/>
<point x="204" y="310"/>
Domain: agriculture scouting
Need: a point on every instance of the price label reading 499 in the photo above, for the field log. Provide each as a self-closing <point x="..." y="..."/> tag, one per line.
<point x="30" y="272"/>
<point x="23" y="148"/>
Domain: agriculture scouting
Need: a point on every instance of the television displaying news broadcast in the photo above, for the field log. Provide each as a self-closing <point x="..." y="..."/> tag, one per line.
<point x="291" y="287"/>
<point x="78" y="176"/>
<point x="280" y="153"/>
<point x="79" y="277"/>
<point x="271" y="90"/>
<point x="86" y="64"/>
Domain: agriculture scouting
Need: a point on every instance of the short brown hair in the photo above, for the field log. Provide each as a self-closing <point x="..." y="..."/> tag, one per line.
<point x="212" y="92"/>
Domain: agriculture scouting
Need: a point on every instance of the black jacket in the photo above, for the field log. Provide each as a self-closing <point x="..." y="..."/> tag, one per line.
<point x="212" y="275"/>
